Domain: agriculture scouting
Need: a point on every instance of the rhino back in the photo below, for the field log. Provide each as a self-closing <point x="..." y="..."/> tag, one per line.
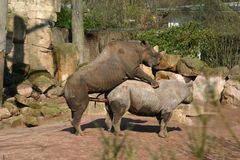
<point x="110" y="67"/>
<point x="142" y="97"/>
<point x="147" y="101"/>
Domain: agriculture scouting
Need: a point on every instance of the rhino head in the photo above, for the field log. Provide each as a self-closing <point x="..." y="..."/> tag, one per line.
<point x="150" y="56"/>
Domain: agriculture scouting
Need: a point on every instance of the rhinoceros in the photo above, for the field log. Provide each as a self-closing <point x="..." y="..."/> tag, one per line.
<point x="141" y="99"/>
<point x="118" y="60"/>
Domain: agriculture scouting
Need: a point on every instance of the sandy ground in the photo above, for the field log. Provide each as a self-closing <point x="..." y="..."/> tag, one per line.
<point x="55" y="141"/>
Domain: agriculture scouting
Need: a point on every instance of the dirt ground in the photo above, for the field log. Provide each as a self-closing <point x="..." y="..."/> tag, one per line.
<point x="55" y="141"/>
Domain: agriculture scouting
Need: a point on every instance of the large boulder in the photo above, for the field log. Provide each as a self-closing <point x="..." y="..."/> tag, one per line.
<point x="168" y="62"/>
<point x="14" y="121"/>
<point x="66" y="60"/>
<point x="4" y="113"/>
<point x="207" y="89"/>
<point x="181" y="117"/>
<point x="22" y="100"/>
<point x="41" y="80"/>
<point x="26" y="111"/>
<point x="54" y="92"/>
<point x="234" y="73"/>
<point x="216" y="72"/>
<point x="50" y="111"/>
<point x="147" y="70"/>
<point x="30" y="121"/>
<point x="231" y="93"/>
<point x="171" y="75"/>
<point x="12" y="108"/>
<point x="35" y="104"/>
<point x="25" y="88"/>
<point x="190" y="67"/>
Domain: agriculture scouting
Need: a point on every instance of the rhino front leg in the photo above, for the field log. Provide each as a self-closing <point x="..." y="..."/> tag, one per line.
<point x="143" y="76"/>
<point x="163" y="120"/>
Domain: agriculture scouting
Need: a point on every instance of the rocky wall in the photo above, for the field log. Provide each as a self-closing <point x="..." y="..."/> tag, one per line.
<point x="29" y="32"/>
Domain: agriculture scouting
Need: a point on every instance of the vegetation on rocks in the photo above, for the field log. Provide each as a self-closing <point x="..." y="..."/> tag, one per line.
<point x="50" y="111"/>
<point x="194" y="40"/>
<point x="26" y="102"/>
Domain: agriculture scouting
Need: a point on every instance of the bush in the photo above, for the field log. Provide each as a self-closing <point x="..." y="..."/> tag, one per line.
<point x="64" y="18"/>
<point x="182" y="40"/>
<point x="221" y="50"/>
<point x="91" y="19"/>
<point x="192" y="39"/>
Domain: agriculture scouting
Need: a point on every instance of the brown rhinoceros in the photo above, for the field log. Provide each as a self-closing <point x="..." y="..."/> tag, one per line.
<point x="118" y="60"/>
<point x="141" y="99"/>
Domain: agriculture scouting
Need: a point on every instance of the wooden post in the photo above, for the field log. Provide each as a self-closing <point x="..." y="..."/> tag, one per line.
<point x="78" y="30"/>
<point x="3" y="32"/>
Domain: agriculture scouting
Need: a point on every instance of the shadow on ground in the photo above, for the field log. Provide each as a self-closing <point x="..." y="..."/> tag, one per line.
<point x="127" y="124"/>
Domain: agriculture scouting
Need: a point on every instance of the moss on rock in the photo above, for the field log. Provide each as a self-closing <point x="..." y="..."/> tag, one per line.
<point x="14" y="121"/>
<point x="50" y="111"/>
<point x="216" y="72"/>
<point x="234" y="73"/>
<point x="30" y="121"/>
<point x="26" y="111"/>
<point x="11" y="107"/>
<point x="188" y="66"/>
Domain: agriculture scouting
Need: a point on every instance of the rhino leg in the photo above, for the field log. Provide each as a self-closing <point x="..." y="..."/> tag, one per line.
<point x="78" y="104"/>
<point x="163" y="120"/>
<point x="143" y="76"/>
<point x="118" y="109"/>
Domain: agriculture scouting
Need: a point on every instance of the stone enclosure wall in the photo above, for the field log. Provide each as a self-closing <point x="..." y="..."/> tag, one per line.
<point x="32" y="37"/>
<point x="29" y="32"/>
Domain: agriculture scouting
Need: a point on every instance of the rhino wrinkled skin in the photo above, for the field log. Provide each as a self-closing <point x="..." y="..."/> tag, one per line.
<point x="141" y="99"/>
<point x="118" y="60"/>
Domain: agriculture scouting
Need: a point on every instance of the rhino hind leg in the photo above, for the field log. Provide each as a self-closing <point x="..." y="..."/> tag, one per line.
<point x="118" y="109"/>
<point x="163" y="119"/>
<point x="78" y="105"/>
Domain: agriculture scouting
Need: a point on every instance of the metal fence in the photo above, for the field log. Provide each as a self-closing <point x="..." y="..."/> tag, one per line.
<point x="147" y="14"/>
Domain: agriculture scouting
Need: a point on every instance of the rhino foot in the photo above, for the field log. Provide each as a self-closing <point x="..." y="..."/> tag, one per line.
<point x="154" y="84"/>
<point x="120" y="133"/>
<point x="79" y="133"/>
<point x="162" y="134"/>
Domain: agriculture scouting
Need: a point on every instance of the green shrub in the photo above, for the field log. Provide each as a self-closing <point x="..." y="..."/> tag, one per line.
<point x="221" y="50"/>
<point x="182" y="40"/>
<point x="91" y="20"/>
<point x="64" y="18"/>
<point x="191" y="39"/>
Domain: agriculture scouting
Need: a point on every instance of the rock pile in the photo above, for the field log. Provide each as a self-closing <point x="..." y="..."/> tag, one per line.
<point x="30" y="95"/>
<point x="211" y="86"/>
<point x="30" y="98"/>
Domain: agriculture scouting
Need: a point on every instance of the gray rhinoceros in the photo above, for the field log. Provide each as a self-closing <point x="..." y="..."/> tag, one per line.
<point x="141" y="99"/>
<point x="119" y="60"/>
